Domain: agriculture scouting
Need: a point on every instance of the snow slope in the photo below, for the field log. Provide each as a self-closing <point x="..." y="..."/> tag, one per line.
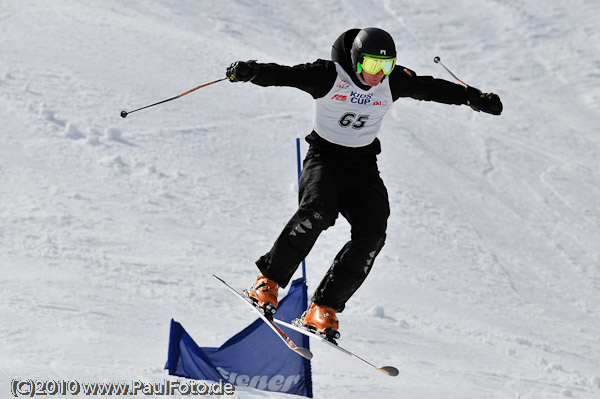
<point x="488" y="286"/>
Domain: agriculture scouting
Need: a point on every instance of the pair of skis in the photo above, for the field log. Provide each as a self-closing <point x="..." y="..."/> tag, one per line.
<point x="275" y="323"/>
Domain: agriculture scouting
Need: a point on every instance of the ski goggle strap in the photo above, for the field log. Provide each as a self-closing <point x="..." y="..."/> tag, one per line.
<point x="373" y="64"/>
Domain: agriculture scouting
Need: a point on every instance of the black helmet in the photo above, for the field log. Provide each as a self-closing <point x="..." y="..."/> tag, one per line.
<point x="372" y="41"/>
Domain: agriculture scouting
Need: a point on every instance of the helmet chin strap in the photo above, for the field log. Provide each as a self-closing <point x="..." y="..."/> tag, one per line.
<point x="360" y="77"/>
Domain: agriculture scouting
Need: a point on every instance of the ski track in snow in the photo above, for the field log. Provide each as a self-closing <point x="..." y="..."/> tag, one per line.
<point x="488" y="286"/>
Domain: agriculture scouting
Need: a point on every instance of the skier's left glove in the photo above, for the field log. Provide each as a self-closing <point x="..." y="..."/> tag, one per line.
<point x="485" y="102"/>
<point x="242" y="71"/>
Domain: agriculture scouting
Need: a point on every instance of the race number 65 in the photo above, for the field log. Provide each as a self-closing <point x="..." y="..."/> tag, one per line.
<point x="350" y="119"/>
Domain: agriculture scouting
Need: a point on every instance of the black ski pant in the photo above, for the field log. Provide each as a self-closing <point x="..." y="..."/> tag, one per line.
<point x="332" y="185"/>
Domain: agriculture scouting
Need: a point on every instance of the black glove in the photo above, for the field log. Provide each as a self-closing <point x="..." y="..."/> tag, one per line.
<point x="242" y="71"/>
<point x="485" y="102"/>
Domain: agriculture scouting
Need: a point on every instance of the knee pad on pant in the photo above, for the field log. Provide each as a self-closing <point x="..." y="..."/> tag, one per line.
<point x="317" y="217"/>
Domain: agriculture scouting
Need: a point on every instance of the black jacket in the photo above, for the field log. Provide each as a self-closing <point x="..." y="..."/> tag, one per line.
<point x="317" y="79"/>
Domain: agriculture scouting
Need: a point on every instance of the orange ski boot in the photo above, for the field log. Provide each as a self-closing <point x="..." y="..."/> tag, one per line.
<point x="323" y="320"/>
<point x="264" y="294"/>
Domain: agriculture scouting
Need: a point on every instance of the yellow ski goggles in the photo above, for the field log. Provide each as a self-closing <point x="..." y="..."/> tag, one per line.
<point x="373" y="64"/>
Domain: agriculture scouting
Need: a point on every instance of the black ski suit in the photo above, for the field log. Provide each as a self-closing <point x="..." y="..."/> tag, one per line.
<point x="340" y="180"/>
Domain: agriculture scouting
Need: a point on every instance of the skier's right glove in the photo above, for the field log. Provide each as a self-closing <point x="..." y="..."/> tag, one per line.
<point x="485" y="102"/>
<point x="242" y="71"/>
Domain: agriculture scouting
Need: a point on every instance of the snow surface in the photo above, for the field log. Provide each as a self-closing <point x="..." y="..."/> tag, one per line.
<point x="488" y="287"/>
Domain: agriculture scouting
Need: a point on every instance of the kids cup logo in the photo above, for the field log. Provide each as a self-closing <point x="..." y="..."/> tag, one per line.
<point x="358" y="98"/>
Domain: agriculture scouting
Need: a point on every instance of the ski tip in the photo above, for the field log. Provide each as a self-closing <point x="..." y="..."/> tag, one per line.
<point x="305" y="353"/>
<point x="389" y="370"/>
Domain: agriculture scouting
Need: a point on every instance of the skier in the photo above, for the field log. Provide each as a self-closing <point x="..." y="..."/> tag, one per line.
<point x="352" y="93"/>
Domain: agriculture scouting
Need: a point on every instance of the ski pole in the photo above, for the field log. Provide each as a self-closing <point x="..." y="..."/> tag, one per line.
<point x="437" y="60"/>
<point x="125" y="113"/>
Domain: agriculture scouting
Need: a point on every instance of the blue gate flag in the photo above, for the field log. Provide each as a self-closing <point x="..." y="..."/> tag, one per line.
<point x="254" y="357"/>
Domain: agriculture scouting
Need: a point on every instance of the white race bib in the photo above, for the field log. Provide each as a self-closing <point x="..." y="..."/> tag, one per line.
<point x="348" y="115"/>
